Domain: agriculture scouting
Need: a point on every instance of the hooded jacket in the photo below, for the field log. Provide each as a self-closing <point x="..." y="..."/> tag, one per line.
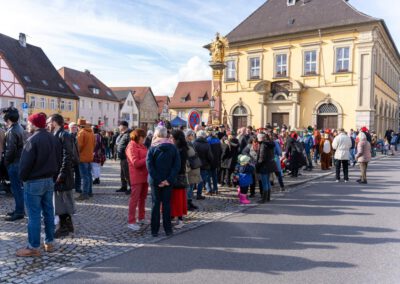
<point x="86" y="144"/>
<point x="342" y="144"/>
<point x="136" y="155"/>
<point x="163" y="162"/>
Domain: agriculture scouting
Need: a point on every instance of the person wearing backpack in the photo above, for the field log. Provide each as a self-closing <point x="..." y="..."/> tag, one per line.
<point x="308" y="145"/>
<point x="342" y="145"/>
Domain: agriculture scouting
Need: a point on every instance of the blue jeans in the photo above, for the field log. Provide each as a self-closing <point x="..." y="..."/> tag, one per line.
<point x="86" y="176"/>
<point x="16" y="188"/>
<point x="189" y="191"/>
<point x="205" y="179"/>
<point x="78" y="180"/>
<point x="38" y="201"/>
<point x="266" y="184"/>
<point x="214" y="178"/>
<point x="161" y="195"/>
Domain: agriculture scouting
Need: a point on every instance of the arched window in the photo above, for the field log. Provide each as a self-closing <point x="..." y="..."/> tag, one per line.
<point x="280" y="98"/>
<point x="327" y="109"/>
<point x="240" y="111"/>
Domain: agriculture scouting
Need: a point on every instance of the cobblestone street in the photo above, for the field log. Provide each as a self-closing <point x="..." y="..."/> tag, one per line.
<point x="101" y="230"/>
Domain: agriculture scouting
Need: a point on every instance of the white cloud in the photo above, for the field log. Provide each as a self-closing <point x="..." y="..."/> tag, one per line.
<point x="194" y="70"/>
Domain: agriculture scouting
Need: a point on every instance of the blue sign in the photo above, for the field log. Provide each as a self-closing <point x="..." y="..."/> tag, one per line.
<point x="24" y="105"/>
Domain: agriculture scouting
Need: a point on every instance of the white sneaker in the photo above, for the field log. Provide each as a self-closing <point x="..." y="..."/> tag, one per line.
<point x="346" y="181"/>
<point x="134" y="227"/>
<point x="179" y="225"/>
<point x="337" y="180"/>
<point x="143" y="222"/>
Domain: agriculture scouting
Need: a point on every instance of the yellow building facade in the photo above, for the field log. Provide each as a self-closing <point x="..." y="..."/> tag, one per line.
<point x="49" y="105"/>
<point x="336" y="77"/>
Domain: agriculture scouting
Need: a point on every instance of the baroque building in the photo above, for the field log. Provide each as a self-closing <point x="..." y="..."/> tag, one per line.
<point x="315" y="62"/>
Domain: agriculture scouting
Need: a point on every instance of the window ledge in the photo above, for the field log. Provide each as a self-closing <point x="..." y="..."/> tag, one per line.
<point x="280" y="77"/>
<point x="342" y="73"/>
<point x="231" y="81"/>
<point x="310" y="75"/>
<point x="254" y="79"/>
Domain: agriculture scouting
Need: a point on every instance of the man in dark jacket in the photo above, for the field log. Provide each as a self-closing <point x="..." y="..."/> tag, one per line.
<point x="63" y="197"/>
<point x="14" y="143"/>
<point x="203" y="150"/>
<point x="163" y="163"/>
<point x="40" y="161"/>
<point x="121" y="144"/>
<point x="216" y="150"/>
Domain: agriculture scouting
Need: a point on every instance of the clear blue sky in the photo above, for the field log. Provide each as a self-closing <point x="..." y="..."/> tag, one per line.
<point x="141" y="42"/>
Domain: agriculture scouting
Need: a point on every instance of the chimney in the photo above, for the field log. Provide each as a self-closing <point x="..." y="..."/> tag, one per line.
<point x="87" y="71"/>
<point x="22" y="39"/>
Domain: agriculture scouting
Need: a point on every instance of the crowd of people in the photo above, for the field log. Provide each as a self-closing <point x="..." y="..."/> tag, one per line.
<point x="50" y="159"/>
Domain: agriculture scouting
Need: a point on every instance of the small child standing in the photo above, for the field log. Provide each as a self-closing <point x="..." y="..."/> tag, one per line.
<point x="386" y="147"/>
<point x="245" y="173"/>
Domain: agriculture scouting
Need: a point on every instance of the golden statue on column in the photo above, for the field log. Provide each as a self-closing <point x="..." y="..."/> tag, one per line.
<point x="217" y="49"/>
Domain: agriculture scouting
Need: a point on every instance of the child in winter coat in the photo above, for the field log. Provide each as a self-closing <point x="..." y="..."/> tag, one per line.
<point x="245" y="173"/>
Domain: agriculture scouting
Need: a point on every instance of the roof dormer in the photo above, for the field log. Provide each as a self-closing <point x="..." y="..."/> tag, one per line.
<point x="291" y="2"/>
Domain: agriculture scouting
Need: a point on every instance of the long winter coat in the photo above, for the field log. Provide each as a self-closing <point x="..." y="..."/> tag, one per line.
<point x="266" y="158"/>
<point x="342" y="144"/>
<point x="193" y="175"/>
<point x="203" y="149"/>
<point x="136" y="155"/>
<point x="363" y="152"/>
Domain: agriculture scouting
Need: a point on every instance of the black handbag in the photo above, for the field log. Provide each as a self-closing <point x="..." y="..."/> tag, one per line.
<point x="181" y="181"/>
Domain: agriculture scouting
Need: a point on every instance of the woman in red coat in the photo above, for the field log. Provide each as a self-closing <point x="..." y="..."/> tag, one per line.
<point x="136" y="154"/>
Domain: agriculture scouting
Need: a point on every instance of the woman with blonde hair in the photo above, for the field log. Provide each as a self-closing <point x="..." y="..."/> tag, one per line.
<point x="363" y="156"/>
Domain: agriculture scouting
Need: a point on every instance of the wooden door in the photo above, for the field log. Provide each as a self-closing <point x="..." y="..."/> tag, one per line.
<point x="239" y="122"/>
<point x="278" y="119"/>
<point x="327" y="121"/>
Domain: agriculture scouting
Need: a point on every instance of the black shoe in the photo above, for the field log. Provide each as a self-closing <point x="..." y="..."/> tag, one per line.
<point x="269" y="196"/>
<point x="200" y="197"/>
<point x="122" y="189"/>
<point x="282" y="188"/>
<point x="90" y="194"/>
<point x="359" y="180"/>
<point x="263" y="198"/>
<point x="128" y="192"/>
<point x="154" y="235"/>
<point x="78" y="191"/>
<point x="363" y="182"/>
<point x="191" y="206"/>
<point x="169" y="233"/>
<point x="96" y="181"/>
<point x="82" y="197"/>
<point x="13" y="218"/>
<point x="61" y="232"/>
<point x="10" y="213"/>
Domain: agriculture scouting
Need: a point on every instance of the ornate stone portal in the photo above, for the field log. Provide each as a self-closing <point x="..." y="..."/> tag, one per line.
<point x="280" y="98"/>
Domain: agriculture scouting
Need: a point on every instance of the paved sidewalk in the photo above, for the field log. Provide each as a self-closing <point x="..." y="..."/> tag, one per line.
<point x="101" y="229"/>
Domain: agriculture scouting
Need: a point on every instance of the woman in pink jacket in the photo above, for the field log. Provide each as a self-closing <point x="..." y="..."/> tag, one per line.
<point x="136" y="154"/>
<point x="363" y="156"/>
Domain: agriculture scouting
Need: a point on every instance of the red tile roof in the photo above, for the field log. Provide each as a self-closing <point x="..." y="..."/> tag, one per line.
<point x="82" y="82"/>
<point x="138" y="92"/>
<point x="161" y="101"/>
<point x="193" y="90"/>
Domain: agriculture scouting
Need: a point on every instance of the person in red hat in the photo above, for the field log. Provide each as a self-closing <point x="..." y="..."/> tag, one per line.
<point x="40" y="159"/>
